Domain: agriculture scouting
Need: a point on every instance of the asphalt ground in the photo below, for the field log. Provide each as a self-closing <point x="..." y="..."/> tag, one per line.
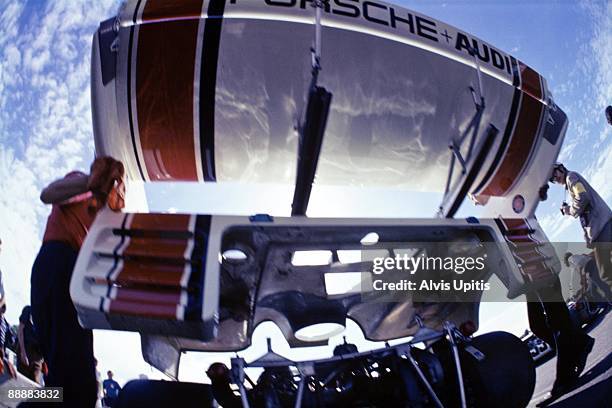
<point x="594" y="387"/>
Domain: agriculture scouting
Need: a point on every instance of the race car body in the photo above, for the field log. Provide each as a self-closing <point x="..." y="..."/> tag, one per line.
<point x="213" y="91"/>
<point x="201" y="282"/>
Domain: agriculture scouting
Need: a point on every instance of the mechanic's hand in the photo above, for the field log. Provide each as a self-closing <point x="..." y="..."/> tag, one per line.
<point x="105" y="175"/>
<point x="116" y="197"/>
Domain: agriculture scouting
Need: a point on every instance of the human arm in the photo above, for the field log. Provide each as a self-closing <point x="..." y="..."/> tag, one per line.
<point x="23" y="355"/>
<point x="64" y="189"/>
<point x="105" y="181"/>
<point x="580" y="199"/>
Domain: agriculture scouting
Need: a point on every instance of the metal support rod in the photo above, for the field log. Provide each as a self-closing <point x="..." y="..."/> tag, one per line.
<point x="316" y="48"/>
<point x="477" y="102"/>
<point x="455" y="149"/>
<point x="318" y="6"/>
<point x="478" y="74"/>
<point x="243" y="395"/>
<point x="249" y="380"/>
<point x="449" y="327"/>
<point x="430" y="390"/>
<point x="455" y="146"/>
<point x="312" y="128"/>
<point x="300" y="392"/>
<point x="451" y="170"/>
<point x="453" y="197"/>
<point x="237" y="375"/>
<point x="474" y="124"/>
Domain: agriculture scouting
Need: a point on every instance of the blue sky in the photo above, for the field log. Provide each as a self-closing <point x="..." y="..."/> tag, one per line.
<point x="45" y="124"/>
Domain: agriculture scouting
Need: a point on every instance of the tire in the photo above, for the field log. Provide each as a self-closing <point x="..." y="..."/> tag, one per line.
<point x="505" y="377"/>
<point x="150" y="393"/>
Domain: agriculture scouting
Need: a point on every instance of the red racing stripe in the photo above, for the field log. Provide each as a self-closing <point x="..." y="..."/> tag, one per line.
<point x="158" y="248"/>
<point x="170" y="297"/>
<point x="164" y="99"/>
<point x="163" y="10"/>
<point x="160" y="222"/>
<point x="154" y="310"/>
<point x="522" y="143"/>
<point x="530" y="81"/>
<point x="155" y="256"/>
<point x="150" y="273"/>
<point x="530" y="260"/>
<point x="516" y="223"/>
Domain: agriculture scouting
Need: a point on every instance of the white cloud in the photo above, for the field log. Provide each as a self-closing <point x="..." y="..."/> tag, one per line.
<point x="13" y="56"/>
<point x="588" y="144"/>
<point x="20" y="235"/>
<point x="599" y="168"/>
<point x="45" y="131"/>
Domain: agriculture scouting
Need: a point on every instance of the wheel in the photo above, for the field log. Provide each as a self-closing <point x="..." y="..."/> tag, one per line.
<point x="505" y="377"/>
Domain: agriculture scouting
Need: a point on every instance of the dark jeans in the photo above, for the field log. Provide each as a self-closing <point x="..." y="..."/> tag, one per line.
<point x="66" y="346"/>
<point x="110" y="402"/>
<point x="550" y="316"/>
<point x="550" y="321"/>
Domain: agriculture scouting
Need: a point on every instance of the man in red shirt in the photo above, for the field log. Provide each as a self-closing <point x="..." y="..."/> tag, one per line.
<point x="66" y="346"/>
